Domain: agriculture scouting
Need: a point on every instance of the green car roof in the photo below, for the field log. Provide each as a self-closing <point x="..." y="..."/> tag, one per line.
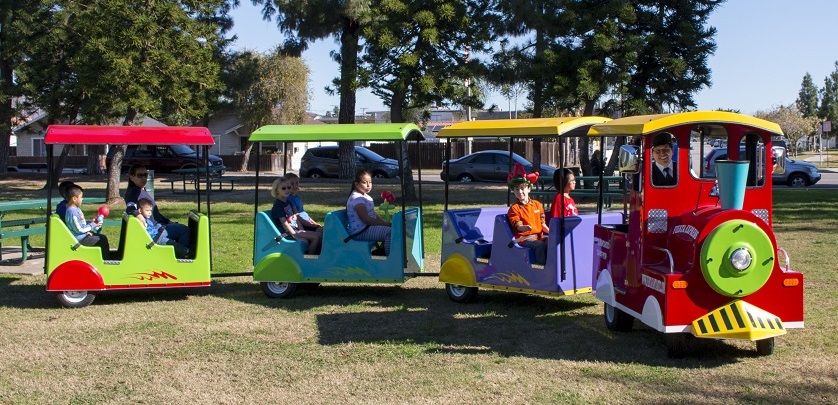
<point x="336" y="132"/>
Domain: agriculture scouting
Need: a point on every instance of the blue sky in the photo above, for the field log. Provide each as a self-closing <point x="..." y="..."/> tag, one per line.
<point x="764" y="48"/>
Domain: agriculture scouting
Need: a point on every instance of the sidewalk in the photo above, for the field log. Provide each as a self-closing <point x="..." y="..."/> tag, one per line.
<point x="34" y="264"/>
<point x="817" y="159"/>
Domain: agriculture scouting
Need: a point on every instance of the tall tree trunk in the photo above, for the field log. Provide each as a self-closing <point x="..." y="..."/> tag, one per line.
<point x="115" y="168"/>
<point x="94" y="158"/>
<point x="58" y="168"/>
<point x="348" y="79"/>
<point x="247" y="150"/>
<point x="538" y="97"/>
<point x="7" y="113"/>
<point x="584" y="145"/>
<point x="397" y="115"/>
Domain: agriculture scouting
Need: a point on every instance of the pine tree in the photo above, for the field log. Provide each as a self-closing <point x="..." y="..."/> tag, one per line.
<point x="807" y="98"/>
<point x="828" y="110"/>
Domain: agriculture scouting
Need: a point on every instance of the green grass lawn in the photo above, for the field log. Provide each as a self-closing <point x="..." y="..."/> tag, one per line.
<point x="399" y="344"/>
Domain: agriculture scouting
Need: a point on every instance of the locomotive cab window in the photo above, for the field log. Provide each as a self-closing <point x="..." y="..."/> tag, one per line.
<point x="664" y="164"/>
<point x="709" y="144"/>
<point x="752" y="149"/>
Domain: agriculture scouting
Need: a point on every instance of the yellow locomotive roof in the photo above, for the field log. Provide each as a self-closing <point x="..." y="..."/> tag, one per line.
<point x="527" y="127"/>
<point x="646" y="124"/>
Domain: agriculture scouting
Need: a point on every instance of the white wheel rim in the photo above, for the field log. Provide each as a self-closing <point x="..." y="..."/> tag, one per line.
<point x="74" y="297"/>
<point x="277" y="288"/>
<point x="457" y="290"/>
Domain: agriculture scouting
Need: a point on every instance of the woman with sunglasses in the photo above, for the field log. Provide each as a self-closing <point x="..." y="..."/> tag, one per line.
<point x="137" y="179"/>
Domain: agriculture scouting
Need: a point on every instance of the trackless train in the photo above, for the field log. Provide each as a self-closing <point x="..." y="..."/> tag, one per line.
<point x="684" y="254"/>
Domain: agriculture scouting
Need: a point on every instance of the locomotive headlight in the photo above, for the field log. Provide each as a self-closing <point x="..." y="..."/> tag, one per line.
<point x="740" y="259"/>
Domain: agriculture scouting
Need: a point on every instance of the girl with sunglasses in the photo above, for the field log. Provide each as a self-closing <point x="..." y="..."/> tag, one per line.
<point x="286" y="220"/>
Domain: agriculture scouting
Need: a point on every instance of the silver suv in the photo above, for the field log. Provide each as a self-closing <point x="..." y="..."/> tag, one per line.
<point x="322" y="161"/>
<point x="798" y="173"/>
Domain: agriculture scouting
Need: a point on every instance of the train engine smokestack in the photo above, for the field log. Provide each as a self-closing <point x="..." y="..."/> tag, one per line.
<point x="732" y="176"/>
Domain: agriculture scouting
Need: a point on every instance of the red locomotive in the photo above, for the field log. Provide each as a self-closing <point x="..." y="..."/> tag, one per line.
<point x="697" y="254"/>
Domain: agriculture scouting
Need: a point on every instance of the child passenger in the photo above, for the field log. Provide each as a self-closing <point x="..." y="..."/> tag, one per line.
<point x="84" y="231"/>
<point x="526" y="217"/>
<point x="364" y="224"/>
<point x="286" y="220"/>
<point x="303" y="218"/>
<point x="565" y="181"/>
<point x="61" y="208"/>
<point x="157" y="231"/>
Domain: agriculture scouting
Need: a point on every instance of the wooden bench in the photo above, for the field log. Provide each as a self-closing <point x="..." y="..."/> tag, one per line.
<point x="25" y="227"/>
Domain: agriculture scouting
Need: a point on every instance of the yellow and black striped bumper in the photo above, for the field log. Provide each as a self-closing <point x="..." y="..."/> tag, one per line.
<point x="738" y="320"/>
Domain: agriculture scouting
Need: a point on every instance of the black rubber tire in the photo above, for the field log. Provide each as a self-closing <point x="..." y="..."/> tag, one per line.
<point x="279" y="290"/>
<point x="765" y="347"/>
<point x="465" y="178"/>
<point x="797" y="180"/>
<point x="617" y="320"/>
<point x="75" y="299"/>
<point x="459" y="293"/>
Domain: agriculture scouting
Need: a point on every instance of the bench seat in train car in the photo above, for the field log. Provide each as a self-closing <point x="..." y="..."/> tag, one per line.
<point x="137" y="262"/>
<point x="511" y="265"/>
<point x="468" y="232"/>
<point x="283" y="260"/>
<point x="269" y="237"/>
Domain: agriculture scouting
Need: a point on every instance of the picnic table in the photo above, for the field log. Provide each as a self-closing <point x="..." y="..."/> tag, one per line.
<point x="27" y="226"/>
<point x="190" y="176"/>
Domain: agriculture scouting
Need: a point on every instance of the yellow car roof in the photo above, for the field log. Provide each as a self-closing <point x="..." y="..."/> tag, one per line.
<point x="528" y="127"/>
<point x="646" y="124"/>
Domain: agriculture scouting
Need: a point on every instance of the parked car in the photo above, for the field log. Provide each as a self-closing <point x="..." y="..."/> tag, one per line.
<point x="798" y="173"/>
<point x="165" y="158"/>
<point x="490" y="165"/>
<point x="322" y="161"/>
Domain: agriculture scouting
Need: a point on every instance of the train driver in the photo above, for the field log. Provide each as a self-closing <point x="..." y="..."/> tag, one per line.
<point x="664" y="169"/>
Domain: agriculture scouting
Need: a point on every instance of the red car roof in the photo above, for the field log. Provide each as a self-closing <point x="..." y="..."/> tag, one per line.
<point x="125" y="135"/>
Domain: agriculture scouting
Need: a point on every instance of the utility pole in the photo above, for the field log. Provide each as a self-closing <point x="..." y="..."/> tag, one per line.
<point x="827" y="127"/>
<point x="468" y="106"/>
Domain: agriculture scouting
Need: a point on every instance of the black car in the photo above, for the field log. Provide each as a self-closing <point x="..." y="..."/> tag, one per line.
<point x="322" y="161"/>
<point x="490" y="165"/>
<point x="165" y="158"/>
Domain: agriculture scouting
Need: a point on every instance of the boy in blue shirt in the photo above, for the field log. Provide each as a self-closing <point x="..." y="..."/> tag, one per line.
<point x="157" y="231"/>
<point x="61" y="208"/>
<point x="85" y="232"/>
<point x="296" y="202"/>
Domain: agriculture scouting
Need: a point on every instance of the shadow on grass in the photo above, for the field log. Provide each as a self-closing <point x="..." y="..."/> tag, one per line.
<point x="505" y="324"/>
<point x="35" y="296"/>
<point x="496" y="323"/>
